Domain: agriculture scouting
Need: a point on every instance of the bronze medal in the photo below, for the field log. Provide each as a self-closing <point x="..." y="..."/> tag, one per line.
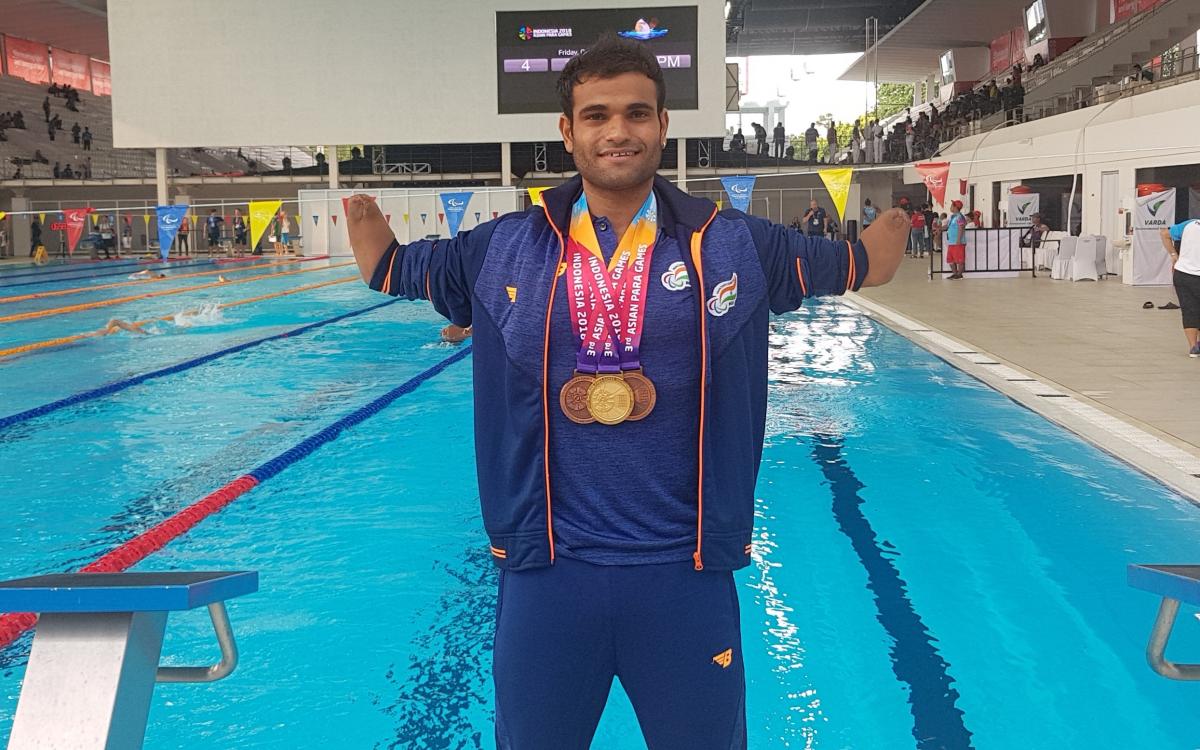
<point x="573" y="398"/>
<point x="609" y="399"/>
<point x="644" y="394"/>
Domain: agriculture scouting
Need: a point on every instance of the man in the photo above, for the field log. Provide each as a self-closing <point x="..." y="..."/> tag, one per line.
<point x="760" y="135"/>
<point x="35" y="236"/>
<point x="213" y="224"/>
<point x="239" y="228"/>
<point x="869" y="213"/>
<point x="810" y="142"/>
<point x="956" y="240"/>
<point x="1185" y="263"/>
<point x="816" y="221"/>
<point x="57" y="171"/>
<point x="87" y="139"/>
<point x="831" y="143"/>
<point x="737" y="144"/>
<point x="46" y="108"/>
<point x="621" y="573"/>
<point x="75" y="131"/>
<point x="779" y="139"/>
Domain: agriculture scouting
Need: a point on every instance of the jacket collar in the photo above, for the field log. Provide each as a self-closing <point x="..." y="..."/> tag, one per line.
<point x="675" y="207"/>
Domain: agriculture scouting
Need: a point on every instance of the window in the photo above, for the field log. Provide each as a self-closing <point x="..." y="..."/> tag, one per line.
<point x="1035" y="21"/>
<point x="947" y="67"/>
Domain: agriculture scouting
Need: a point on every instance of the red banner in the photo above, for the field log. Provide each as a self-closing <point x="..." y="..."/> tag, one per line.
<point x="27" y="60"/>
<point x="70" y="68"/>
<point x="1145" y="5"/>
<point x="934" y="175"/>
<point x="1123" y="9"/>
<point x="1001" y="48"/>
<point x="101" y="78"/>
<point x="1019" y="38"/>
<point x="76" y="218"/>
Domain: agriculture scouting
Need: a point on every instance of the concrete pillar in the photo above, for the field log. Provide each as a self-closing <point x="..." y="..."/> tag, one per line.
<point x="506" y="164"/>
<point x="160" y="175"/>
<point x="19" y="241"/>
<point x="681" y="164"/>
<point x="332" y="161"/>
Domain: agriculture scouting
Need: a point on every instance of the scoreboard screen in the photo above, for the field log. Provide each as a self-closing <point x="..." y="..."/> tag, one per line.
<point x="532" y="47"/>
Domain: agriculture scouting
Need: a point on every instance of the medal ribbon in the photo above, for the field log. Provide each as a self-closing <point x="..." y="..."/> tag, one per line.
<point x="608" y="302"/>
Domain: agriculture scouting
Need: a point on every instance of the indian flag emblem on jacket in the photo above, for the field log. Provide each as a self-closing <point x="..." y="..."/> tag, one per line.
<point x="676" y="277"/>
<point x="723" y="298"/>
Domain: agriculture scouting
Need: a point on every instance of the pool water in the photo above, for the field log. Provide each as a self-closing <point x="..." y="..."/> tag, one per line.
<point x="934" y="565"/>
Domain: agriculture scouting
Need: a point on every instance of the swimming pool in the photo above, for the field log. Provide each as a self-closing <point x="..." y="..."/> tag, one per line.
<point x="934" y="566"/>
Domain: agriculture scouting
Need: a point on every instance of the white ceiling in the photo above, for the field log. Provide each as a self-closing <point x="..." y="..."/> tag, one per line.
<point x="910" y="51"/>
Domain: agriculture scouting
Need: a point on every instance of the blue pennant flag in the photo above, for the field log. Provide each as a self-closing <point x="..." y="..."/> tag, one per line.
<point x="316" y="219"/>
<point x="739" y="188"/>
<point x="477" y="215"/>
<point x="423" y="216"/>
<point x="456" y="206"/>
<point x="169" y="219"/>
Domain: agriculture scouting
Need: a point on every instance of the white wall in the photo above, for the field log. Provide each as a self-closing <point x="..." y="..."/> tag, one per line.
<point x="1149" y="130"/>
<point x="405" y="205"/>
<point x="312" y="72"/>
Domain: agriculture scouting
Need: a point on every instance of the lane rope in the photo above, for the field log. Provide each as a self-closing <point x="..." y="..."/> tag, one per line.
<point x="49" y="312"/>
<point x="133" y="551"/>
<point x="115" y="387"/>
<point x="155" y="265"/>
<point x="64" y="340"/>
<point x="149" y="280"/>
<point x="106" y="264"/>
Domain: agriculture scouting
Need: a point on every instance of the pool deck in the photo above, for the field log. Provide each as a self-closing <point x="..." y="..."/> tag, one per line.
<point x="1085" y="354"/>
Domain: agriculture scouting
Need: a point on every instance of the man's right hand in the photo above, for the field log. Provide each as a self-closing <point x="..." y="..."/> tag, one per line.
<point x="370" y="235"/>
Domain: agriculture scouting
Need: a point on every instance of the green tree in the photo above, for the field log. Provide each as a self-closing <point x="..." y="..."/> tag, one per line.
<point x="893" y="98"/>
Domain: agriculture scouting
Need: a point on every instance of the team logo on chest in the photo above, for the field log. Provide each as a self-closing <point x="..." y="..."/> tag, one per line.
<point x="676" y="277"/>
<point x="723" y="298"/>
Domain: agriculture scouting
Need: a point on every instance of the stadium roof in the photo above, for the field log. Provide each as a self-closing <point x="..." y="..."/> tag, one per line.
<point x="910" y="51"/>
<point x="75" y="25"/>
<point x="806" y="27"/>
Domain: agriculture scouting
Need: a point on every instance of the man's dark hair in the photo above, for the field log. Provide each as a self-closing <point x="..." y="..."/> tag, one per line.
<point x="609" y="57"/>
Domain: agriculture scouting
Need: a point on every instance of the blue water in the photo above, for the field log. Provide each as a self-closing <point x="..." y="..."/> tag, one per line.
<point x="934" y="566"/>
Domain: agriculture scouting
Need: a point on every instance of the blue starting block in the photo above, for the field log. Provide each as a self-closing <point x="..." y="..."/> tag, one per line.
<point x="1175" y="584"/>
<point x="94" y="661"/>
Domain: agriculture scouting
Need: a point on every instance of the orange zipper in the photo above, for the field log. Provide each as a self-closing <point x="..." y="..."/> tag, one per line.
<point x="697" y="239"/>
<point x="562" y="250"/>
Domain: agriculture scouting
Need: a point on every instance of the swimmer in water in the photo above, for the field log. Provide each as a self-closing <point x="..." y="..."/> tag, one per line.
<point x="222" y="279"/>
<point x="147" y="274"/>
<point x="453" y="334"/>
<point x="116" y="324"/>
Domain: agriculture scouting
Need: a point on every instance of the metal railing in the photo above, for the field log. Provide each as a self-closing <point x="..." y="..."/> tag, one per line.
<point x="999" y="248"/>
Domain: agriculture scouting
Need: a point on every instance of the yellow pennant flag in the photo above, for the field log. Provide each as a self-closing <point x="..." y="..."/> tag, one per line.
<point x="535" y="194"/>
<point x="146" y="218"/>
<point x="299" y="221"/>
<point x="42" y="218"/>
<point x="405" y="218"/>
<point x="2" y="215"/>
<point x="262" y="213"/>
<point x="95" y="219"/>
<point x="720" y="203"/>
<point x="837" y="182"/>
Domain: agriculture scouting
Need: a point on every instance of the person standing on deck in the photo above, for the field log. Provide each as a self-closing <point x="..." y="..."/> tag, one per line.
<point x="622" y="323"/>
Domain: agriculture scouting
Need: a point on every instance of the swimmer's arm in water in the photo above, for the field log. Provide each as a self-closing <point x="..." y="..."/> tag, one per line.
<point x="116" y="324"/>
<point x="442" y="271"/>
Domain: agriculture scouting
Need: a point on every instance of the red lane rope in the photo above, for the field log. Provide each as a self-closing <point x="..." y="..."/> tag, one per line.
<point x="12" y="626"/>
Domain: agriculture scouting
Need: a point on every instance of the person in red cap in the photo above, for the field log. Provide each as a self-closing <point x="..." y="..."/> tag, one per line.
<point x="956" y="240"/>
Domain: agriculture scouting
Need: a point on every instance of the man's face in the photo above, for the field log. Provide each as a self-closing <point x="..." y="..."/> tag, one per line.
<point x="812" y="205"/>
<point x="616" y="134"/>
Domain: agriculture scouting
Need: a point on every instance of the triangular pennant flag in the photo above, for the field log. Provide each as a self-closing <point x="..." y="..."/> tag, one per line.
<point x="261" y="215"/>
<point x="441" y="217"/>
<point x="169" y="220"/>
<point x="934" y="175"/>
<point x="456" y="207"/>
<point x="837" y="182"/>
<point x="387" y="218"/>
<point x="535" y="194"/>
<point x="720" y="203"/>
<point x="334" y="218"/>
<point x="477" y="215"/>
<point x="95" y="219"/>
<point x="299" y="222"/>
<point x="405" y="218"/>
<point x="495" y="214"/>
<point x="423" y="217"/>
<point x="41" y="218"/>
<point x="76" y="218"/>
<point x="128" y="219"/>
<point x="316" y="219"/>
<point x="146" y="218"/>
<point x="2" y="215"/>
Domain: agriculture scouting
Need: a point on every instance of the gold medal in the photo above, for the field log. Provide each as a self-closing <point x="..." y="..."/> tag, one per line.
<point x="609" y="399"/>
<point x="644" y="394"/>
<point x="573" y="398"/>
